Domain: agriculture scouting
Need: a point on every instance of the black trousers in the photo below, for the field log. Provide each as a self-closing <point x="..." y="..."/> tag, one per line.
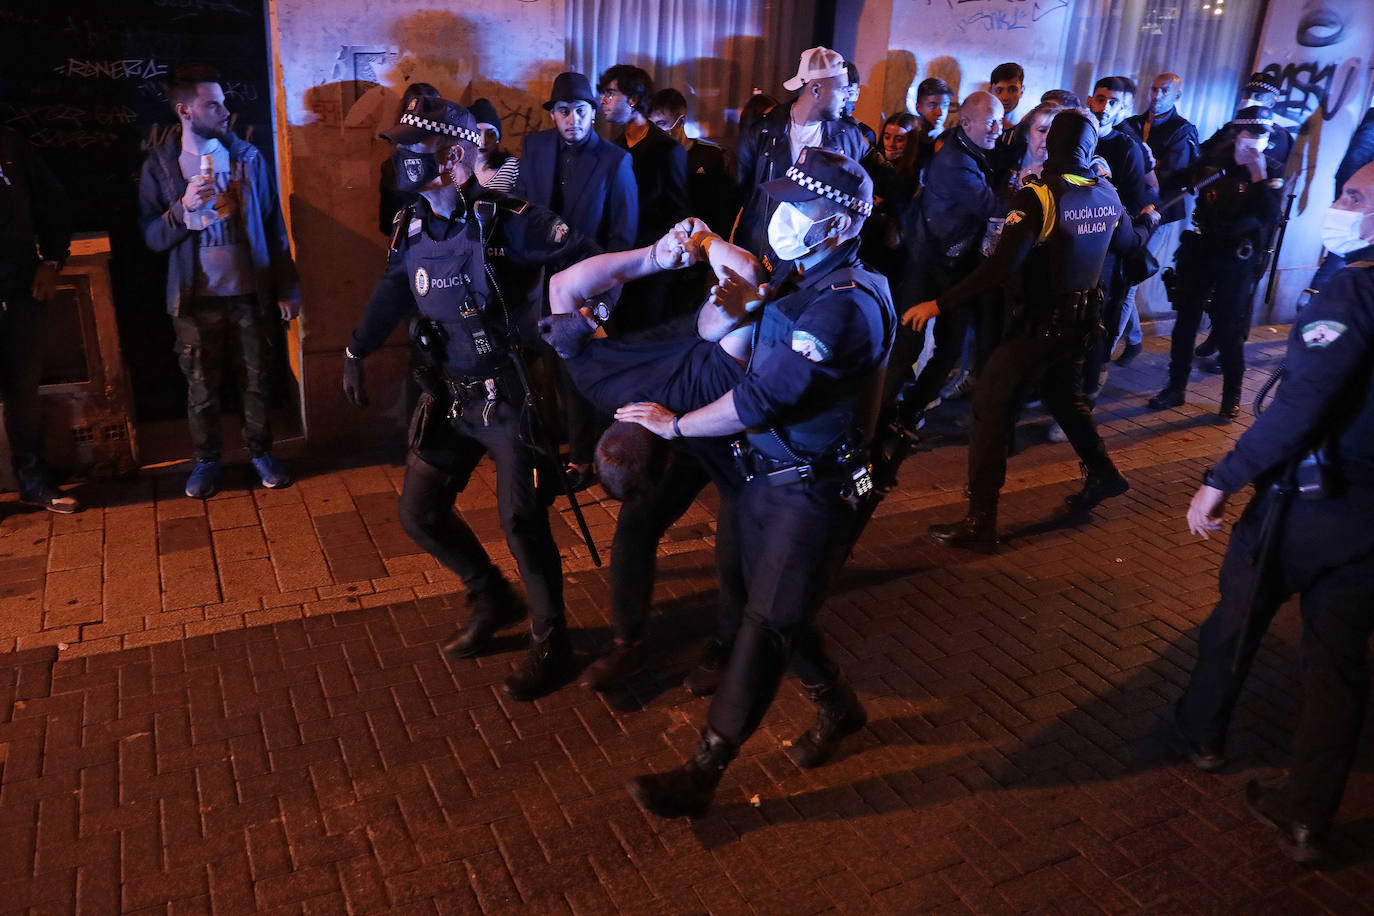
<point x="443" y="455"/>
<point x="1016" y="363"/>
<point x="20" y="372"/>
<point x="1221" y="285"/>
<point x="1324" y="551"/>
<point x="213" y="335"/>
<point x="641" y="525"/>
<point x="790" y="539"/>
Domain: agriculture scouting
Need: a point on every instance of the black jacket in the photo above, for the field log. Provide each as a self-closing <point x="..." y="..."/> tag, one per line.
<point x="33" y="208"/>
<point x="601" y="204"/>
<point x="660" y="167"/>
<point x="1173" y="141"/>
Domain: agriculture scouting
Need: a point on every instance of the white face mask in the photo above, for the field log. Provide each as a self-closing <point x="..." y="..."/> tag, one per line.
<point x="787" y="231"/>
<point x="1341" y="231"/>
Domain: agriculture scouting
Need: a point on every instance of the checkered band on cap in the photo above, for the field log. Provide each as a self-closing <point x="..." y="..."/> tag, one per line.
<point x="439" y="127"/>
<point x="862" y="207"/>
<point x="1266" y="123"/>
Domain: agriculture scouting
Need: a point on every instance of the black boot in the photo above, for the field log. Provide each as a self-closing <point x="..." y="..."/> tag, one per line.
<point x="1230" y="405"/>
<point x="549" y="665"/>
<point x="688" y="790"/>
<point x="838" y="714"/>
<point x="1169" y="397"/>
<point x="976" y="531"/>
<point x="703" y="680"/>
<point x="491" y="609"/>
<point x="1103" y="483"/>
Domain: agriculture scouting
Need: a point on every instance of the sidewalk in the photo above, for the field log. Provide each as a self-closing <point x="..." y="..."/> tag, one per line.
<point x="238" y="706"/>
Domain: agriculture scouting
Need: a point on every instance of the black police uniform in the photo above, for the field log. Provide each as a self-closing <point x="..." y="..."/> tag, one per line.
<point x="1216" y="269"/>
<point x="809" y="392"/>
<point x="440" y="269"/>
<point x="1322" y="547"/>
<point x="1052" y="248"/>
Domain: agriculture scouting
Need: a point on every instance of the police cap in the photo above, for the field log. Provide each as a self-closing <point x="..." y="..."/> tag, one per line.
<point x="1255" y="119"/>
<point x="823" y="173"/>
<point x="425" y="118"/>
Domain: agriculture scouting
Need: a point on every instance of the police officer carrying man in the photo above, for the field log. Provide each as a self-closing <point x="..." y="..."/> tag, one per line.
<point x="805" y="407"/>
<point x="1053" y="245"/>
<point x="1311" y="459"/>
<point x="1217" y="264"/>
<point x="467" y="260"/>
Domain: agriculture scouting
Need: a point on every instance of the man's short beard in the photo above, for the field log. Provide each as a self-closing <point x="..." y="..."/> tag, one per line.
<point x="212" y="133"/>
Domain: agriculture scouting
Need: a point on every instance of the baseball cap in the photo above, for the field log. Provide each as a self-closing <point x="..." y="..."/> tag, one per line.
<point x="816" y="64"/>
<point x="424" y="118"/>
<point x="823" y="173"/>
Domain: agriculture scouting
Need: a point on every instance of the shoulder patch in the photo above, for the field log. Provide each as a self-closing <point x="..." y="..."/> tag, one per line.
<point x="513" y="204"/>
<point x="810" y="346"/>
<point x="1322" y="333"/>
<point x="1014" y="217"/>
<point x="558" y="231"/>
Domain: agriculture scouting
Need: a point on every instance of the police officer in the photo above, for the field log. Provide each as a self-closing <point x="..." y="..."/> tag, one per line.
<point x="804" y="408"/>
<point x="1053" y="245"/>
<point x="1217" y="267"/>
<point x="468" y="260"/>
<point x="1311" y="459"/>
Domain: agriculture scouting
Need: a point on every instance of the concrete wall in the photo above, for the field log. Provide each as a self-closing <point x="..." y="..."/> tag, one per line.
<point x="339" y="70"/>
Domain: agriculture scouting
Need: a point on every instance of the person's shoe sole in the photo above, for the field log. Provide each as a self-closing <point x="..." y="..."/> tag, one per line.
<point x="1303" y="855"/>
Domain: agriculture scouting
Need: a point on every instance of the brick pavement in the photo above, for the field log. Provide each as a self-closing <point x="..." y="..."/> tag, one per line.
<point x="238" y="706"/>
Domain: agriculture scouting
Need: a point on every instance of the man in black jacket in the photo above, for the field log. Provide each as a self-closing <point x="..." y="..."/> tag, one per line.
<point x="771" y="145"/>
<point x="944" y="228"/>
<point x="35" y="235"/>
<point x="660" y="167"/>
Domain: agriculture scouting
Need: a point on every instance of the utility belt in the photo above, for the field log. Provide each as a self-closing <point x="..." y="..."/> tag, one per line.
<point x="846" y="466"/>
<point x="1068" y="315"/>
<point x="462" y="391"/>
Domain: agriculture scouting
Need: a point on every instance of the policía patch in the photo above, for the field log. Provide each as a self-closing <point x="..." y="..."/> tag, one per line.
<point x="1014" y="217"/>
<point x="1322" y="333"/>
<point x="421" y="281"/>
<point x="558" y="232"/>
<point x="810" y="346"/>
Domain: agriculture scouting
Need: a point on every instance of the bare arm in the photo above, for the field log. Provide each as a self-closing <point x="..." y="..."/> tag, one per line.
<point x="718" y="418"/>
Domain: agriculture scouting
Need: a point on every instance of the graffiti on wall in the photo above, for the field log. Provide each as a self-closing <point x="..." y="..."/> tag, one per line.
<point x="1309" y="86"/>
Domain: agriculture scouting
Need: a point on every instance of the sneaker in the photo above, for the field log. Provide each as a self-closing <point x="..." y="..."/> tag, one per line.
<point x="958" y="386"/>
<point x="205" y="479"/>
<point x="271" y="472"/>
<point x="1129" y="354"/>
<point x="49" y="497"/>
<point x="1169" y="397"/>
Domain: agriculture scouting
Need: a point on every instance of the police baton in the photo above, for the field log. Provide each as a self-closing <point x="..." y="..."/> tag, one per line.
<point x="542" y="443"/>
<point x="1273" y="252"/>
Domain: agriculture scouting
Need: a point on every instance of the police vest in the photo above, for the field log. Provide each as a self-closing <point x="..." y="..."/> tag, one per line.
<point x="845" y="413"/>
<point x="1078" y="217"/>
<point x="450" y="282"/>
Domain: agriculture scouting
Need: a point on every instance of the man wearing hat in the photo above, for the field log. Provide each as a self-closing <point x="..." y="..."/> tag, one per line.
<point x="800" y="417"/>
<point x="591" y="184"/>
<point x="1217" y="265"/>
<point x="467" y="260"/>
<point x="771" y="145"/>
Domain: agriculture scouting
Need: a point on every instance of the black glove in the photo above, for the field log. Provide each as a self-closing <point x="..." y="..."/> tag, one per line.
<point x="567" y="334"/>
<point x="354" y="388"/>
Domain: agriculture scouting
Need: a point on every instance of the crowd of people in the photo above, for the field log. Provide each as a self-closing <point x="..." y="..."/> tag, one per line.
<point x="751" y="320"/>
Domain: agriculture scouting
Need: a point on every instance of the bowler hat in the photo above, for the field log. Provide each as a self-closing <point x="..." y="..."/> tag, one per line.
<point x="570" y="87"/>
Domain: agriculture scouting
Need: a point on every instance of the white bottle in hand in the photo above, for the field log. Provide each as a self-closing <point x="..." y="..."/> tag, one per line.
<point x="205" y="214"/>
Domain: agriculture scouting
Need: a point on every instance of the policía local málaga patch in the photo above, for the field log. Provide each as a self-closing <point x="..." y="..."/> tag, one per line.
<point x="558" y="232"/>
<point x="421" y="281"/>
<point x="810" y="346"/>
<point x="1322" y="333"/>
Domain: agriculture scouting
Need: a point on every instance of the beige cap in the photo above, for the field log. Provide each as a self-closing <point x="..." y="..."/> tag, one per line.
<point x="816" y="64"/>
